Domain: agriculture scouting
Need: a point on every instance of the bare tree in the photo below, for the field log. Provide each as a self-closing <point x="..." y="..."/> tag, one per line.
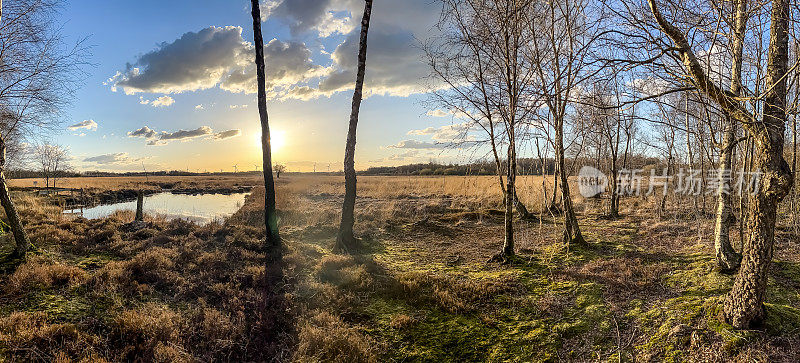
<point x="37" y="77"/>
<point x="270" y="215"/>
<point x="279" y="168"/>
<point x="479" y="73"/>
<point x="51" y="159"/>
<point x="346" y="240"/>
<point x="561" y="53"/>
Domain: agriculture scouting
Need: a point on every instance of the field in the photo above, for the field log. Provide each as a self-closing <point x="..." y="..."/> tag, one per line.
<point x="420" y="289"/>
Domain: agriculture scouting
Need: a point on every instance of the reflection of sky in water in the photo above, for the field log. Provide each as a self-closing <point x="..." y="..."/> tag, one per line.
<point x="200" y="208"/>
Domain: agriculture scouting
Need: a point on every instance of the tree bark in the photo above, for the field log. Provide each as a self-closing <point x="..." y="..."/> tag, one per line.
<point x="744" y="304"/>
<point x="508" y="243"/>
<point x="572" y="232"/>
<point x="727" y="258"/>
<point x="270" y="213"/>
<point x="20" y="238"/>
<point x="346" y="241"/>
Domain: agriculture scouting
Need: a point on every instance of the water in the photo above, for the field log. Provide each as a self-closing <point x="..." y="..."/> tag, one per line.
<point x="199" y="208"/>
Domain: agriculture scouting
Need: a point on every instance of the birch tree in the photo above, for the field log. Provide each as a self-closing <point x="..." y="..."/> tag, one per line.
<point x="345" y="240"/>
<point x="38" y="75"/>
<point x="480" y="73"/>
<point x="743" y="305"/>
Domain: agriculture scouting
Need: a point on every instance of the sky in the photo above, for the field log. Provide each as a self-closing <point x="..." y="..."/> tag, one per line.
<point x="171" y="85"/>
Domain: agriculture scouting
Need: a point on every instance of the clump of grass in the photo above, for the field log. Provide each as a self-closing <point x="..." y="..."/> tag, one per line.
<point x="29" y="336"/>
<point x="39" y="272"/>
<point x="325" y="337"/>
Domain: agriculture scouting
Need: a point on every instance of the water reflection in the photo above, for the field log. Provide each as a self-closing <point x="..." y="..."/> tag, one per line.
<point x="199" y="208"/>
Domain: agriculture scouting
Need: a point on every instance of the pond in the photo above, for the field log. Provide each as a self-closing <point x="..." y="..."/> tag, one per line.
<point x="198" y="208"/>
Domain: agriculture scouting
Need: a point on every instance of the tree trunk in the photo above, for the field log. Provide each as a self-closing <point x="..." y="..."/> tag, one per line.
<point x="139" y="206"/>
<point x="572" y="232"/>
<point x="270" y="215"/>
<point x="744" y="304"/>
<point x="508" y="244"/>
<point x="727" y="258"/>
<point x="20" y="238"/>
<point x="346" y="241"/>
<point x="614" y="203"/>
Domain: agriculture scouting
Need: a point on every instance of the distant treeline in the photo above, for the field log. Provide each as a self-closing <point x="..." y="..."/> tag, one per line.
<point x="525" y="166"/>
<point x="21" y="174"/>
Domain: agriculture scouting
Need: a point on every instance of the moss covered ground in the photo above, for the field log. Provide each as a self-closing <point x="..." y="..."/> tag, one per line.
<point x="419" y="289"/>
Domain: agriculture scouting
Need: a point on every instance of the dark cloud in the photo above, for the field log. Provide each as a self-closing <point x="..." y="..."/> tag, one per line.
<point x="214" y="56"/>
<point x="227" y="134"/>
<point x="185" y="134"/>
<point x="305" y="15"/>
<point x="395" y="65"/>
<point x="162" y="138"/>
<point x="145" y="132"/>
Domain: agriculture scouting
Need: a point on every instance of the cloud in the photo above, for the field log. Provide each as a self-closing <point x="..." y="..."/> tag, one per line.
<point x="233" y="107"/>
<point x="214" y="57"/>
<point x="394" y="65"/>
<point x="162" y="138"/>
<point x="448" y="134"/>
<point x="144" y="132"/>
<point x="227" y="134"/>
<point x="326" y="17"/>
<point x="219" y="57"/>
<point x="85" y="124"/>
<point x="199" y="107"/>
<point x="414" y="144"/>
<point x="163" y="101"/>
<point x="185" y="134"/>
<point x="437" y="113"/>
<point x="114" y="158"/>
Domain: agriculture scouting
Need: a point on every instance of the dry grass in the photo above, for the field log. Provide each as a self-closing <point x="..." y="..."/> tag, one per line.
<point x="419" y="290"/>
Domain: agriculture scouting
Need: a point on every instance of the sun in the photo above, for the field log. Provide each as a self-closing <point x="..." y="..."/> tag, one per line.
<point x="277" y="138"/>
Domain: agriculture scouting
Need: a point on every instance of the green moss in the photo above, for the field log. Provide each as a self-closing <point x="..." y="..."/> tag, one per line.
<point x="700" y="277"/>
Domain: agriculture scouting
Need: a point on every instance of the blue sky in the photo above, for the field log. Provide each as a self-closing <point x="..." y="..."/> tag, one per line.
<point x="308" y="130"/>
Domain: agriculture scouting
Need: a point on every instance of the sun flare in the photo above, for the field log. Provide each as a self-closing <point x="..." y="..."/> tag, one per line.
<point x="277" y="139"/>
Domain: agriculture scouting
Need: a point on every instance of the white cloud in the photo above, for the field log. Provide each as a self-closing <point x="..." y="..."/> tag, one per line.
<point x="85" y="124"/>
<point x="199" y="107"/>
<point x="114" y="158"/>
<point x="437" y="113"/>
<point x="447" y="134"/>
<point x="233" y="107"/>
<point x="163" y="101"/>
<point x="414" y="144"/>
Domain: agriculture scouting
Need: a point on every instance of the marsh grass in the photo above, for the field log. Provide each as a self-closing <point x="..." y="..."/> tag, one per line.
<point x="419" y="290"/>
